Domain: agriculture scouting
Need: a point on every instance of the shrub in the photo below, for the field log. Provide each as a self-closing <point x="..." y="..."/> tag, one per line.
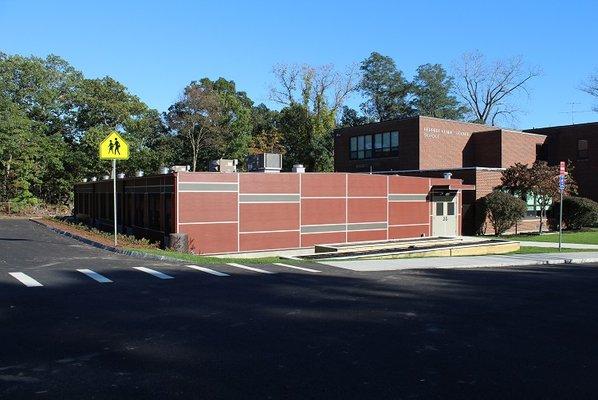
<point x="503" y="210"/>
<point x="578" y="212"/>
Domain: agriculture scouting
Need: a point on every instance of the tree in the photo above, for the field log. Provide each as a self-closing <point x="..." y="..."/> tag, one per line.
<point x="591" y="87"/>
<point x="350" y="117"/>
<point x="197" y="117"/>
<point x="266" y="136"/>
<point x="540" y="180"/>
<point x="503" y="210"/>
<point x="489" y="88"/>
<point x="432" y="88"/>
<point x="312" y="96"/>
<point x="385" y="89"/>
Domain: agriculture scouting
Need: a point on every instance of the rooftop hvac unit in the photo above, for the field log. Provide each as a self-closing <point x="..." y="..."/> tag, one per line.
<point x="265" y="162"/>
<point x="223" y="165"/>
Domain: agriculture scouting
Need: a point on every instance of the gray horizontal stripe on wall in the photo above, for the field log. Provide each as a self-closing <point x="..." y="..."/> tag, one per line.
<point x="407" y="197"/>
<point x="364" y="227"/>
<point x="208" y="187"/>
<point x="267" y="198"/>
<point x="323" y="228"/>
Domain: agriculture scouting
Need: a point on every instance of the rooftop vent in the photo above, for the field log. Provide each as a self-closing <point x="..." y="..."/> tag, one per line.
<point x="180" y="168"/>
<point x="298" y="168"/>
<point x="223" y="165"/>
<point x="447" y="175"/>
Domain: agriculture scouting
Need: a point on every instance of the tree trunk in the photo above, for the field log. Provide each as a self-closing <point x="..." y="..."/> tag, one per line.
<point x="541" y="220"/>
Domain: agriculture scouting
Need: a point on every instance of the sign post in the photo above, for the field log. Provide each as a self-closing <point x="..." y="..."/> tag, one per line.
<point x="114" y="147"/>
<point x="561" y="189"/>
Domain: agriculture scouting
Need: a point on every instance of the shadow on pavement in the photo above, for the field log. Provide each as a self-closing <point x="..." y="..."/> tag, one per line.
<point x="525" y="333"/>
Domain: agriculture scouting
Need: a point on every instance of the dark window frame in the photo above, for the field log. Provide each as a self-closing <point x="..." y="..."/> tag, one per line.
<point x="583" y="153"/>
<point x="377" y="145"/>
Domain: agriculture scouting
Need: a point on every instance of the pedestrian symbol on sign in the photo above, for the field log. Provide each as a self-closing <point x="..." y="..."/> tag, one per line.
<point x="114" y="147"/>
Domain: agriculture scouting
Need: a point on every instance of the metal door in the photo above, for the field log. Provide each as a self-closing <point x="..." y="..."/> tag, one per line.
<point x="444" y="218"/>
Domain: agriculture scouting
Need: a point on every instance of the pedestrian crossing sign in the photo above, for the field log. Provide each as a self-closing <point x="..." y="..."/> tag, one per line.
<point x="114" y="147"/>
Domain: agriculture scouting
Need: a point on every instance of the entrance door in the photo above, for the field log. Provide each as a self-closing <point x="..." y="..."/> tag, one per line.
<point x="444" y="219"/>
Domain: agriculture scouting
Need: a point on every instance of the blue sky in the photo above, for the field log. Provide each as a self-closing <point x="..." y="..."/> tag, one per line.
<point x="156" y="48"/>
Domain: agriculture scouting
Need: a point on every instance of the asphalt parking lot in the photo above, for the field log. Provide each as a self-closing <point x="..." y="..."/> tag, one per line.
<point x="283" y="333"/>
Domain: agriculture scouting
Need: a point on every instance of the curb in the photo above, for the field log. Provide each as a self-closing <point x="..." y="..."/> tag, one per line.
<point x="528" y="263"/>
<point x="112" y="249"/>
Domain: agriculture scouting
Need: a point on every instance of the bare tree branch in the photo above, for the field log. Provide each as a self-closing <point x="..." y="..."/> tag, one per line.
<point x="489" y="88"/>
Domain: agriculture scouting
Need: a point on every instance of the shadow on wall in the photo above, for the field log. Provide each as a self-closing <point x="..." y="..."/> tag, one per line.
<point x="424" y="334"/>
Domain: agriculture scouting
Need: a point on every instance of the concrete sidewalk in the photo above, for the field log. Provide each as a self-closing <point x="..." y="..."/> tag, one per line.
<point x="556" y="245"/>
<point x="467" y="262"/>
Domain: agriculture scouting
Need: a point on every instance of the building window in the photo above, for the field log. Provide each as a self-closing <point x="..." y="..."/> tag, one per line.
<point x="582" y="149"/>
<point x="533" y="207"/>
<point x="372" y="146"/>
<point x="353" y="147"/>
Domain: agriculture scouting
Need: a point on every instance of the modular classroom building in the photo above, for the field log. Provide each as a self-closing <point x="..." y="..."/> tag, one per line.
<point x="242" y="212"/>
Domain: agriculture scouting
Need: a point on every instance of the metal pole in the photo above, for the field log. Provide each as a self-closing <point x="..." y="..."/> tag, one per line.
<point x="561" y="221"/>
<point x="114" y="187"/>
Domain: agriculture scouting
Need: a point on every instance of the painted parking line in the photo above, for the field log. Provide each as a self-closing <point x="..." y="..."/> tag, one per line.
<point x="261" y="271"/>
<point x="95" y="276"/>
<point x="25" y="279"/>
<point x="153" y="272"/>
<point x="296" y="267"/>
<point x="207" y="270"/>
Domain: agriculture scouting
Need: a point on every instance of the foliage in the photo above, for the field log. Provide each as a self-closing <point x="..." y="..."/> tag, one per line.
<point x="350" y="117"/>
<point x="312" y="96"/>
<point x="385" y="88"/>
<point x="266" y="136"/>
<point x="503" y="210"/>
<point x="432" y="88"/>
<point x="579" y="212"/>
<point x="540" y="180"/>
<point x="213" y="119"/>
<point x="73" y="225"/>
<point x="53" y="119"/>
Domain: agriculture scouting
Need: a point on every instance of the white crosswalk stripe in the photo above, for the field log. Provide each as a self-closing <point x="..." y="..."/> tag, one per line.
<point x="207" y="270"/>
<point x="296" y="267"/>
<point x="261" y="271"/>
<point x="95" y="276"/>
<point x="153" y="272"/>
<point x="25" y="279"/>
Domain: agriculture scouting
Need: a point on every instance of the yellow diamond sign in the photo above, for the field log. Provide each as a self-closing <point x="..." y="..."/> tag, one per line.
<point x="114" y="147"/>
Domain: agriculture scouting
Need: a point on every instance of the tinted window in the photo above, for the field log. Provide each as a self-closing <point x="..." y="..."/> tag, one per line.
<point x="450" y="208"/>
<point x="582" y="149"/>
<point x="439" y="209"/>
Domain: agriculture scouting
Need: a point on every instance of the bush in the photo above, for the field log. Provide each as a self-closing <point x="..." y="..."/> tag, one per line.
<point x="578" y="212"/>
<point x="503" y="210"/>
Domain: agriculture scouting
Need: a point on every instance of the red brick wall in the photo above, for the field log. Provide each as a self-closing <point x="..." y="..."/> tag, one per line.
<point x="518" y="147"/>
<point x="487" y="149"/>
<point x="252" y="211"/>
<point x="408" y="147"/>
<point x="446" y="144"/>
<point x="561" y="145"/>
